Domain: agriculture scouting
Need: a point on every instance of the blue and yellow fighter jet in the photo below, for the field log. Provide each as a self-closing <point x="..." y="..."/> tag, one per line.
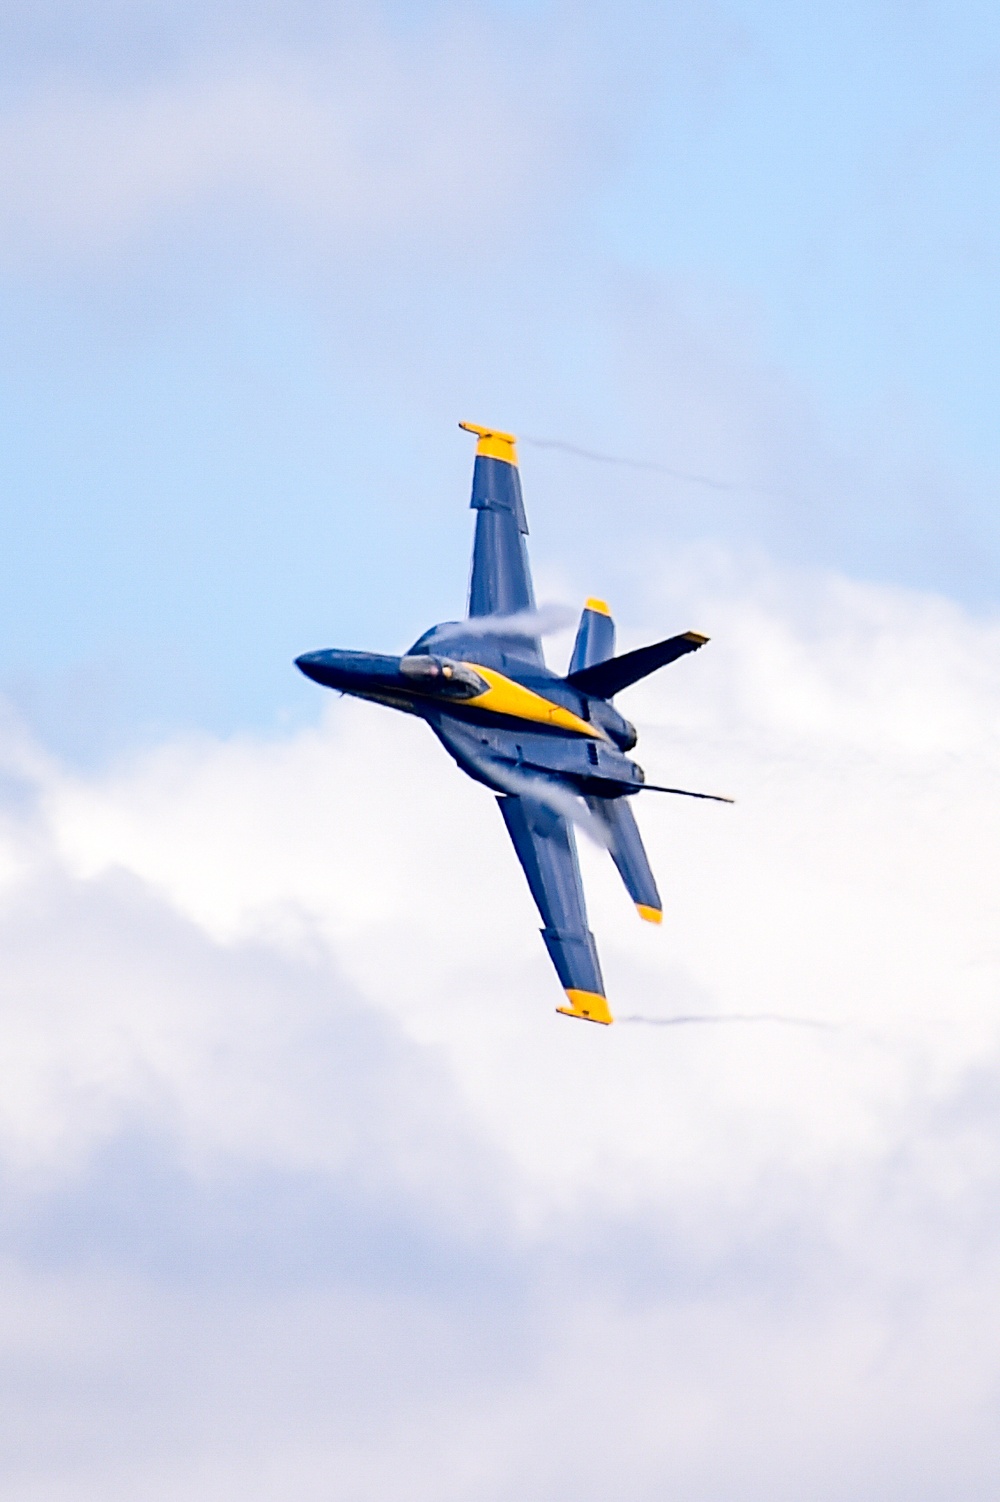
<point x="547" y="745"/>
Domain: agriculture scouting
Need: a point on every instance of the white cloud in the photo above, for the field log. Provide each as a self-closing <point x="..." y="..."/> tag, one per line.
<point x="474" y="1249"/>
<point x="858" y="732"/>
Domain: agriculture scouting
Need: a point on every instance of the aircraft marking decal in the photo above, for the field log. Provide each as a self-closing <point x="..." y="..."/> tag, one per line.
<point x="506" y="697"/>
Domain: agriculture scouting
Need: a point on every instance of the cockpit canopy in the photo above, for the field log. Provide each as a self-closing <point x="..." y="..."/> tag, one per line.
<point x="442" y="675"/>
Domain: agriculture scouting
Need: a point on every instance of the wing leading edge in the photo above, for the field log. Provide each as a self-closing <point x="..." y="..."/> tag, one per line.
<point x="546" y="848"/>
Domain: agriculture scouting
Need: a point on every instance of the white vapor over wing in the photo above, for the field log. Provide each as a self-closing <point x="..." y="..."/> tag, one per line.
<point x="547" y="620"/>
<point x="557" y="796"/>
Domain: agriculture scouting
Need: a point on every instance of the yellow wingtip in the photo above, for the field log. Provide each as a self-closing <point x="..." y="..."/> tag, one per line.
<point x="649" y="914"/>
<point x="601" y="606"/>
<point x="492" y="443"/>
<point x="589" y="1006"/>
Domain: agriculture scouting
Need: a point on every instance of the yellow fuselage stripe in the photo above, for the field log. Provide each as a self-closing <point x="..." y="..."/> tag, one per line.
<point x="506" y="697"/>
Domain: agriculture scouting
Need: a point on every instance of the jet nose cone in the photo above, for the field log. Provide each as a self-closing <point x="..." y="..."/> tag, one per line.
<point x="348" y="672"/>
<point x="311" y="663"/>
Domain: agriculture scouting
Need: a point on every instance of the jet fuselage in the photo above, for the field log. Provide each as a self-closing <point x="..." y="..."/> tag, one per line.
<point x="553" y="748"/>
<point x="500" y="715"/>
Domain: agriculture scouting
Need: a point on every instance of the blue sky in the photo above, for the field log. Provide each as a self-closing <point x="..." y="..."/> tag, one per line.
<point x="306" y="1191"/>
<point x="245" y="298"/>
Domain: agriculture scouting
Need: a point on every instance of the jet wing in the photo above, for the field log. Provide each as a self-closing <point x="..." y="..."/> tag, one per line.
<point x="546" y="848"/>
<point x="500" y="582"/>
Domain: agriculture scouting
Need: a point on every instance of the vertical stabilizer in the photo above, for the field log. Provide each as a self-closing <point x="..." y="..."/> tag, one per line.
<point x="595" y="637"/>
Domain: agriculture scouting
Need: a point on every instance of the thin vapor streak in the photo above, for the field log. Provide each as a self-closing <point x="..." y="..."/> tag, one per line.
<point x="651" y="465"/>
<point x="779" y="1017"/>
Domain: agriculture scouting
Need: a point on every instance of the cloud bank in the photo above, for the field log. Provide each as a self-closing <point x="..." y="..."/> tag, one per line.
<point x="308" y="1190"/>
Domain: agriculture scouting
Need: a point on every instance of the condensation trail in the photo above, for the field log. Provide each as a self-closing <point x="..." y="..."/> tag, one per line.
<point x="651" y="466"/>
<point x="683" y="1019"/>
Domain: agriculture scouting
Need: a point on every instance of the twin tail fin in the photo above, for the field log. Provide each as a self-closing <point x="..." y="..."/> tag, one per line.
<point x="595" y="637"/>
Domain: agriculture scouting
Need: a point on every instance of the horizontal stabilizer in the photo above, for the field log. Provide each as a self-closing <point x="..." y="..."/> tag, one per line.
<point x="605" y="679"/>
<point x="628" y="853"/>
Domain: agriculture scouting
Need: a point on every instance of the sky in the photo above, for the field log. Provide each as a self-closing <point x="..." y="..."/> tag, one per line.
<point x="306" y="1190"/>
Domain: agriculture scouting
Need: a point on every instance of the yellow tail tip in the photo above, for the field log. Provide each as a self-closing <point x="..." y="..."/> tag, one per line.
<point x="588" y="1005"/>
<point x="601" y="606"/>
<point x="492" y="443"/>
<point x="649" y="914"/>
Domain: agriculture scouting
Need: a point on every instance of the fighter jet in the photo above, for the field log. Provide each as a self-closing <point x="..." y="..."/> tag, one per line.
<point x="554" y="749"/>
